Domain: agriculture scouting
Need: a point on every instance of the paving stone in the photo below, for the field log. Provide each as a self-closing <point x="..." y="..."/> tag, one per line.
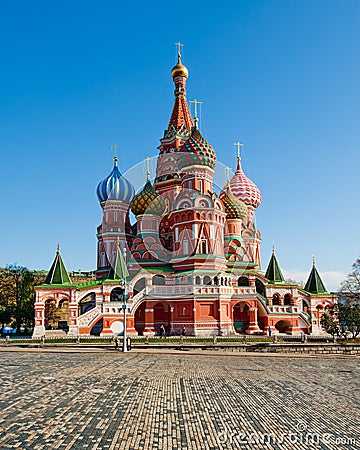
<point x="167" y="402"/>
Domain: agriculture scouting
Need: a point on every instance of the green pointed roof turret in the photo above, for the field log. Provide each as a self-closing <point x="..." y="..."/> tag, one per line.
<point x="314" y="284"/>
<point x="273" y="271"/>
<point x="58" y="273"/>
<point x="119" y="270"/>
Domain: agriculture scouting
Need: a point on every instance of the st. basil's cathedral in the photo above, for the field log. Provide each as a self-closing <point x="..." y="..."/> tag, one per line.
<point x="191" y="260"/>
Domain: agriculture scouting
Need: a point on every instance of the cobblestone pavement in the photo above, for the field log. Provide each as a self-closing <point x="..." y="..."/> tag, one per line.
<point x="167" y="401"/>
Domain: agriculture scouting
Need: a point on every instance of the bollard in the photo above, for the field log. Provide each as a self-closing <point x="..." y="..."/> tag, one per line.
<point x="214" y="339"/>
<point x="274" y="339"/>
<point x="128" y="341"/>
<point x="7" y="341"/>
<point x="147" y="340"/>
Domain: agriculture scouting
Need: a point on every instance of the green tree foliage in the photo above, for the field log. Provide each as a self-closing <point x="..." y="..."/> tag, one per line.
<point x="17" y="285"/>
<point x="342" y="320"/>
<point x="330" y="325"/>
<point x="350" y="288"/>
<point x="349" y="320"/>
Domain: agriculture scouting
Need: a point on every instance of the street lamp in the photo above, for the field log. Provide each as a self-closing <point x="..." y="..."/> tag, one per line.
<point x="124" y="307"/>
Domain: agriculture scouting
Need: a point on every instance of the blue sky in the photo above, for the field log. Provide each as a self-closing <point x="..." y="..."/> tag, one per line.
<point x="279" y="75"/>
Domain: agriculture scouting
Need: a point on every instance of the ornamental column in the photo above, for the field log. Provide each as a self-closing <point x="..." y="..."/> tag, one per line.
<point x="253" y="325"/>
<point x="149" y="329"/>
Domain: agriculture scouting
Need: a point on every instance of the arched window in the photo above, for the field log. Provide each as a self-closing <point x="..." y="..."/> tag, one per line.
<point x="260" y="288"/>
<point x="207" y="280"/>
<point x="287" y="299"/>
<point x="197" y="280"/>
<point x="216" y="281"/>
<point x="158" y="280"/>
<point x="203" y="247"/>
<point x="117" y="295"/>
<point x="243" y="281"/>
<point x="276" y="299"/>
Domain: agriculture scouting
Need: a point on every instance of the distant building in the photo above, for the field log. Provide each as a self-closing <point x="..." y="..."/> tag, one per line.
<point x="193" y="257"/>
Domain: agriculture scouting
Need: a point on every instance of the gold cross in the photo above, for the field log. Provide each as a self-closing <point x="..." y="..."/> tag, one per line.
<point x="238" y="145"/>
<point x="179" y="45"/>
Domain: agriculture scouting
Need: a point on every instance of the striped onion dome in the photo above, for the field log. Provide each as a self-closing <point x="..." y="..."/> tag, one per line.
<point x="115" y="187"/>
<point x="196" y="151"/>
<point x="147" y="201"/>
<point x="243" y="188"/>
<point x="235" y="208"/>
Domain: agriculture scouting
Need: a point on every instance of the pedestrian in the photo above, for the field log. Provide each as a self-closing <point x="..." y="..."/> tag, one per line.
<point x="183" y="331"/>
<point x="116" y="343"/>
<point x="162" y="331"/>
<point x="269" y="331"/>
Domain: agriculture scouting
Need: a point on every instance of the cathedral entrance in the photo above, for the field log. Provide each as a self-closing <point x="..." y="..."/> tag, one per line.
<point x="140" y="319"/>
<point x="284" y="326"/>
<point x="57" y="317"/>
<point x="162" y="316"/>
<point x="241" y="317"/>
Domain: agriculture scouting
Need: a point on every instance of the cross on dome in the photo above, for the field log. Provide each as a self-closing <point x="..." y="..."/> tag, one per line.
<point x="178" y="46"/>
<point x="238" y="144"/>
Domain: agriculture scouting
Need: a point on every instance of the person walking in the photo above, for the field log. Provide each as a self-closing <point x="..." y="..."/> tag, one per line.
<point x="162" y="331"/>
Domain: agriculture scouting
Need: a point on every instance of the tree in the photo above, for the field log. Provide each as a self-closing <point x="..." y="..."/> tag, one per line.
<point x="350" y="288"/>
<point x="330" y="325"/>
<point x="349" y="320"/>
<point x="17" y="295"/>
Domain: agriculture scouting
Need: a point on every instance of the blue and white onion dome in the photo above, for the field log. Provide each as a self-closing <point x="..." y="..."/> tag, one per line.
<point x="115" y="187"/>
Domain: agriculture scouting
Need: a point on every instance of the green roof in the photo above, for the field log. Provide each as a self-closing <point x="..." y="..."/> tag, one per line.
<point x="58" y="274"/>
<point x="119" y="270"/>
<point x="273" y="272"/>
<point x="314" y="284"/>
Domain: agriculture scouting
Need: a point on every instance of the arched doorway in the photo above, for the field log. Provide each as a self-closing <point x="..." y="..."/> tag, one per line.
<point x="140" y="319"/>
<point x="284" y="326"/>
<point x="63" y="315"/>
<point x="162" y="316"/>
<point x="241" y="317"/>
<point x="57" y="317"/>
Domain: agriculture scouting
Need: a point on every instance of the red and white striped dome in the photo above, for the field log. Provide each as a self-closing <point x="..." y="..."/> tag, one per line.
<point x="243" y="188"/>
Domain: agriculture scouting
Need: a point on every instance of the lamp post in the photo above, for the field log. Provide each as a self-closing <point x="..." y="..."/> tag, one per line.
<point x="124" y="307"/>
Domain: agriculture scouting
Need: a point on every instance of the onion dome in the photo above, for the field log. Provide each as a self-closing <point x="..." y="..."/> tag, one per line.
<point x="235" y="208"/>
<point x="147" y="201"/>
<point x="179" y="70"/>
<point x="243" y="188"/>
<point x="115" y="187"/>
<point x="196" y="151"/>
